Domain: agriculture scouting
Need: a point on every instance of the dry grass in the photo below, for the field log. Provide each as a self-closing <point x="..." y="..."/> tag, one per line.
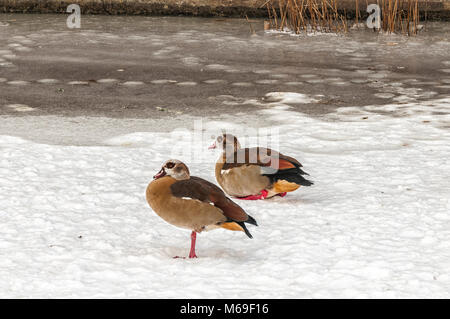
<point x="400" y="16"/>
<point x="397" y="16"/>
<point x="306" y="16"/>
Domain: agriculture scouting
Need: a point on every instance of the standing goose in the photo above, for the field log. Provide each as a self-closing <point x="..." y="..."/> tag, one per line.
<point x="257" y="172"/>
<point x="191" y="202"/>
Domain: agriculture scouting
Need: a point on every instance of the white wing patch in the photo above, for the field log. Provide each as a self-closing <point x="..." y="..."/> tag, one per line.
<point x="226" y="171"/>
<point x="189" y="198"/>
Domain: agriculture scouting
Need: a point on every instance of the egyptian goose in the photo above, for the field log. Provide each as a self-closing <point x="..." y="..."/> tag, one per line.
<point x="191" y="202"/>
<point x="257" y="172"/>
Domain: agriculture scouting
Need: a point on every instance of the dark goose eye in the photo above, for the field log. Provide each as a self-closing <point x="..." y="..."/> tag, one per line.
<point x="170" y="165"/>
<point x="219" y="139"/>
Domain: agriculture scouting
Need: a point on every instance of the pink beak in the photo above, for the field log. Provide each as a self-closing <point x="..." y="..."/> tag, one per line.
<point x="212" y="146"/>
<point x="160" y="174"/>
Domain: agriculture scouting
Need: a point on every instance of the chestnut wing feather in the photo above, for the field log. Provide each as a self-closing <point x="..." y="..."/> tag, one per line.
<point x="202" y="190"/>
<point x="260" y="156"/>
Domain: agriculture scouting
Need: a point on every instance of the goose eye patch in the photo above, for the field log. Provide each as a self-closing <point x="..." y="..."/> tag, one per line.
<point x="170" y="165"/>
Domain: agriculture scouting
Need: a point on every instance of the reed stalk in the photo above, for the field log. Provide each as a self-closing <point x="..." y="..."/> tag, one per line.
<point x="397" y="16"/>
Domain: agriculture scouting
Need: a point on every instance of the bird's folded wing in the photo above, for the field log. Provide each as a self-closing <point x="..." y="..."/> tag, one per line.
<point x="202" y="190"/>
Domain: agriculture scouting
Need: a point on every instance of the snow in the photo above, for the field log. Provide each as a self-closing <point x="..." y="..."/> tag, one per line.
<point x="75" y="222"/>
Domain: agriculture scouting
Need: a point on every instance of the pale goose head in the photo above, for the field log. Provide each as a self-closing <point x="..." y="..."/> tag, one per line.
<point x="175" y="169"/>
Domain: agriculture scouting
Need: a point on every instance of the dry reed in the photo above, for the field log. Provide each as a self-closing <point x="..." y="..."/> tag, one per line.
<point x="400" y="16"/>
<point x="397" y="16"/>
<point x="306" y="16"/>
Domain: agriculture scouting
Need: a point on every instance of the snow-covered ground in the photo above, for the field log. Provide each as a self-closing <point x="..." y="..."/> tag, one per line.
<point x="75" y="222"/>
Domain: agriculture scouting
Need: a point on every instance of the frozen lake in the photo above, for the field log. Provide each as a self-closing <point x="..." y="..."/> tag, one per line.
<point x="86" y="120"/>
<point x="151" y="68"/>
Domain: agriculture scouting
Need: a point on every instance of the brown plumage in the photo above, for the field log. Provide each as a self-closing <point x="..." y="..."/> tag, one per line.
<point x="256" y="173"/>
<point x="193" y="203"/>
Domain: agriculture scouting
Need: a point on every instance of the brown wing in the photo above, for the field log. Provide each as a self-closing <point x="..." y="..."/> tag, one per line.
<point x="202" y="190"/>
<point x="260" y="156"/>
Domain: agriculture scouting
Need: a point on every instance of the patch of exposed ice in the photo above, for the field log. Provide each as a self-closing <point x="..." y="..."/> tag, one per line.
<point x="384" y="95"/>
<point x="20" y="107"/>
<point x="315" y="81"/>
<point x="294" y="83"/>
<point x="308" y="76"/>
<point x="163" y="81"/>
<point x="289" y="97"/>
<point x="18" y="82"/>
<point x="191" y="61"/>
<point x="107" y="81"/>
<point x="78" y="83"/>
<point x="215" y="81"/>
<point x="217" y="67"/>
<point x="47" y="81"/>
<point x="6" y="64"/>
<point x="339" y="83"/>
<point x="23" y="49"/>
<point x="266" y="81"/>
<point x="231" y="70"/>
